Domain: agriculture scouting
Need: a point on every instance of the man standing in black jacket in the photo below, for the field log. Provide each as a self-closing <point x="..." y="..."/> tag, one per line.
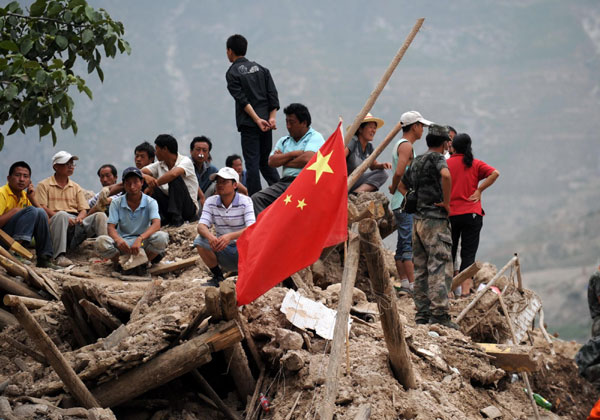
<point x="256" y="103"/>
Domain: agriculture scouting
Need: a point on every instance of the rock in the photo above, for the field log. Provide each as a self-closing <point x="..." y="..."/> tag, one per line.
<point x="292" y="361"/>
<point x="12" y="390"/>
<point x="29" y="411"/>
<point x="491" y="412"/>
<point x="288" y="340"/>
<point x="358" y="295"/>
<point x="344" y="398"/>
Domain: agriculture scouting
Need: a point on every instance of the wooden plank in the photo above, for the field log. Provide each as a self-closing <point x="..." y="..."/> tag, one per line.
<point x="15" y="288"/>
<point x="23" y="348"/>
<point x="54" y="357"/>
<point x="511" y="358"/>
<point x="167" y="366"/>
<point x="470" y="271"/>
<point x="30" y="303"/>
<point x="523" y="320"/>
<point x="14" y="245"/>
<point x="167" y="268"/>
<point x="12" y="268"/>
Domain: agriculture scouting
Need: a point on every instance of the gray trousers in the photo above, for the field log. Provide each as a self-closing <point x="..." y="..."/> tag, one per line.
<point x="106" y="247"/>
<point x="61" y="232"/>
<point x="376" y="178"/>
<point x="263" y="198"/>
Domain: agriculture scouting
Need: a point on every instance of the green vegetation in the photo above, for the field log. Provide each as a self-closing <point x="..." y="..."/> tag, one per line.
<point x="38" y="52"/>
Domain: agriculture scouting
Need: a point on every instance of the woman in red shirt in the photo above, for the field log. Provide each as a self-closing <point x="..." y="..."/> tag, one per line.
<point x="466" y="214"/>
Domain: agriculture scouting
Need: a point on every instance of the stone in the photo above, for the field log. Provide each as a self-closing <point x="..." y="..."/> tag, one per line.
<point x="491" y="412"/>
<point x="288" y="340"/>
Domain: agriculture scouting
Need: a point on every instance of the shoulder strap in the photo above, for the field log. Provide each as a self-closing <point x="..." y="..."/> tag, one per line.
<point x="421" y="171"/>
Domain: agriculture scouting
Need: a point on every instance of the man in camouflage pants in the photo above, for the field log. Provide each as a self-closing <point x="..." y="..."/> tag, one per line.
<point x="432" y="241"/>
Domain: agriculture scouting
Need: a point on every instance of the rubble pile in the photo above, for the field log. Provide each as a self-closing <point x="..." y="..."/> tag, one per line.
<point x="169" y="347"/>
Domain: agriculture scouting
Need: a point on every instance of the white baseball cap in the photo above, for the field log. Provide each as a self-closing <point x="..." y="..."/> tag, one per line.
<point x="62" y="157"/>
<point x="226" y="173"/>
<point x="412" y="117"/>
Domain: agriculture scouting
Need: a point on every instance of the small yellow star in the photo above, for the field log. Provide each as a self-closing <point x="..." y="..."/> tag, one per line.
<point x="321" y="165"/>
<point x="287" y="200"/>
<point x="301" y="204"/>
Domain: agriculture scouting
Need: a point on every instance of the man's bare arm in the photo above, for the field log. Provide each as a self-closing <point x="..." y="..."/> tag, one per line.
<point x="404" y="158"/>
<point x="278" y="159"/>
<point x="300" y="161"/>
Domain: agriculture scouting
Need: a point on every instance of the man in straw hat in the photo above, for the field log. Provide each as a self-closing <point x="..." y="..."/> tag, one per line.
<point x="359" y="148"/>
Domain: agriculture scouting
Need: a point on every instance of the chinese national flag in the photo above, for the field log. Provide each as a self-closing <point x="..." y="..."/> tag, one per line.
<point x="291" y="233"/>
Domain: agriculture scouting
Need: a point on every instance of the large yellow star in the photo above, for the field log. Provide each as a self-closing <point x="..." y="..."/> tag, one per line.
<point x="321" y="165"/>
<point x="287" y="199"/>
<point x="301" y="204"/>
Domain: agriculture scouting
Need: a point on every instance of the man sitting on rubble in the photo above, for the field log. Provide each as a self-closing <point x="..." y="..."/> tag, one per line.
<point x="144" y="155"/>
<point x="231" y="213"/>
<point x="108" y="178"/>
<point x="20" y="214"/>
<point x="133" y="224"/>
<point x="432" y="241"/>
<point x="292" y="152"/>
<point x="172" y="183"/>
<point x="66" y="206"/>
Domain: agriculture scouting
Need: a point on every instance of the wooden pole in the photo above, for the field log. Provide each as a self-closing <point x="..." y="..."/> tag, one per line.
<point x="470" y="271"/>
<point x="384" y="79"/>
<point x="341" y="325"/>
<point x="15" y="288"/>
<point x="12" y="268"/>
<point x="356" y="173"/>
<point x="30" y="303"/>
<point x="214" y="396"/>
<point x="485" y="289"/>
<point x="24" y="349"/>
<point x="545" y="333"/>
<point x="54" y="357"/>
<point x="14" y="245"/>
<point x="393" y="330"/>
<point x="514" y="339"/>
<point x="518" y="270"/>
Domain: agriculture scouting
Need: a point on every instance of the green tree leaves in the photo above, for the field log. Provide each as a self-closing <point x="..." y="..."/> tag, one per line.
<point x="37" y="55"/>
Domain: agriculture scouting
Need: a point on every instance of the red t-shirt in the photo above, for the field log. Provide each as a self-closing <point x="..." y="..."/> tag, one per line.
<point x="464" y="183"/>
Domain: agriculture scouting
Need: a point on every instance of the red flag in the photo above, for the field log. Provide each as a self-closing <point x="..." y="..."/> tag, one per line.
<point x="291" y="233"/>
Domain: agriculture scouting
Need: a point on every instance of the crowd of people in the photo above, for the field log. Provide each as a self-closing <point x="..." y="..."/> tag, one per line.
<point x="168" y="188"/>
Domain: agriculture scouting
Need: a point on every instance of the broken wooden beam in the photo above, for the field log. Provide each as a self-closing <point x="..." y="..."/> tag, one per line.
<point x="15" y="288"/>
<point x="15" y="246"/>
<point x="301" y="285"/>
<point x="30" y="303"/>
<point x="104" y="317"/>
<point x="27" y="350"/>
<point x="82" y="331"/>
<point x="169" y="267"/>
<point x="393" y="329"/>
<point x="228" y="412"/>
<point x="470" y="271"/>
<point x="12" y="268"/>
<point x="511" y="358"/>
<point x="341" y="325"/>
<point x="212" y="301"/>
<point x="54" y="357"/>
<point x="167" y="366"/>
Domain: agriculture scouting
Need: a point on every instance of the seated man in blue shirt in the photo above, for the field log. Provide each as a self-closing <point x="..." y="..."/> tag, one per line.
<point x="292" y="152"/>
<point x="133" y="223"/>
<point x="231" y="213"/>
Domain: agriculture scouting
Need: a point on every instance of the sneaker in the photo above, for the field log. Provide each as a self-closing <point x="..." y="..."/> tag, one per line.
<point x="421" y="321"/>
<point x="46" y="262"/>
<point x="405" y="291"/>
<point x="158" y="258"/>
<point x="445" y="321"/>
<point x="211" y="282"/>
<point x="63" y="261"/>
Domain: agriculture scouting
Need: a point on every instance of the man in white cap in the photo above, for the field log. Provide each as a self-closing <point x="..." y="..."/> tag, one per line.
<point x="231" y="213"/>
<point x="66" y="206"/>
<point x="402" y="156"/>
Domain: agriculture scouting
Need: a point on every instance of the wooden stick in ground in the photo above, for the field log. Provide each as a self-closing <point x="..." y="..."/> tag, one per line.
<point x="545" y="333"/>
<point x="42" y="282"/>
<point x="393" y="329"/>
<point x="485" y="289"/>
<point x="366" y="164"/>
<point x="289" y="416"/>
<point x="24" y="349"/>
<point x="252" y="403"/>
<point x="518" y="270"/>
<point x="54" y="357"/>
<point x="514" y="339"/>
<point x="214" y="396"/>
<point x="470" y="271"/>
<point x="341" y="325"/>
<point x="382" y="82"/>
<point x="30" y="303"/>
<point x="15" y="288"/>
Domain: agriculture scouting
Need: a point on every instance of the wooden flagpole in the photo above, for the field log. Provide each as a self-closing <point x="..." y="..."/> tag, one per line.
<point x="384" y="79"/>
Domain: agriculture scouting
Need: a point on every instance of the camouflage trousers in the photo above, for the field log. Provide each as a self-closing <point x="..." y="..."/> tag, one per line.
<point x="432" y="256"/>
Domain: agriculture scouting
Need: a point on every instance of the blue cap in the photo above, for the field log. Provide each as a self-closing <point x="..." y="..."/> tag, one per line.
<point x="132" y="170"/>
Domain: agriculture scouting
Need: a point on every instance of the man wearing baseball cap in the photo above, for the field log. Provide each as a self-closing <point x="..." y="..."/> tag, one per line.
<point x="133" y="223"/>
<point x="402" y="156"/>
<point x="231" y="213"/>
<point x="66" y="206"/>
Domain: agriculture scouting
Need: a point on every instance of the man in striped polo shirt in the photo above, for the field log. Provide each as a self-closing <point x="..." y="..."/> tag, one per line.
<point x="230" y="213"/>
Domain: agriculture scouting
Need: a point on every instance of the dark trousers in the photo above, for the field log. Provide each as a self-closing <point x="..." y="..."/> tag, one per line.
<point x="31" y="222"/>
<point x="263" y="199"/>
<point x="466" y="228"/>
<point x="176" y="207"/>
<point x="256" y="147"/>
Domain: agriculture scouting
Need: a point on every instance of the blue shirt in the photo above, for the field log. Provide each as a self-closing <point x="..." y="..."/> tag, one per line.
<point x="310" y="142"/>
<point x="203" y="175"/>
<point x="237" y="216"/>
<point x="131" y="224"/>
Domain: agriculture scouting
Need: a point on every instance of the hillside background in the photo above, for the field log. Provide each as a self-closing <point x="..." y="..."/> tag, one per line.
<point x="521" y="77"/>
